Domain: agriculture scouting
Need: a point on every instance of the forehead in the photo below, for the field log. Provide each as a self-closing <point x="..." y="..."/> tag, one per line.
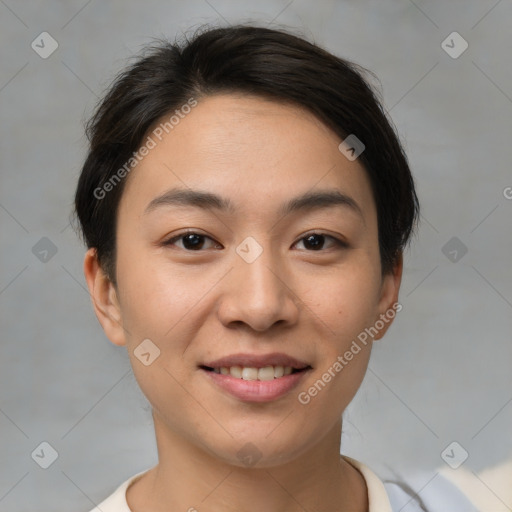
<point x="257" y="152"/>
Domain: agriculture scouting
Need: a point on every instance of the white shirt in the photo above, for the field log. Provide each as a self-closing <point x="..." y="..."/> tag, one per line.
<point x="438" y="496"/>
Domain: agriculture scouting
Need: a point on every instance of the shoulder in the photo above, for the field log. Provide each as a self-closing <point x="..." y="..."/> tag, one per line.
<point x="426" y="492"/>
<point x="416" y="492"/>
<point x="116" y="502"/>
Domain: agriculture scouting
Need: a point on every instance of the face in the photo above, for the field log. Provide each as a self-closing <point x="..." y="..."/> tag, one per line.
<point x="278" y="267"/>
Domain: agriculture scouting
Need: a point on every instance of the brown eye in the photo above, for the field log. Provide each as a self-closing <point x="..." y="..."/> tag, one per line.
<point x="316" y="241"/>
<point x="190" y="241"/>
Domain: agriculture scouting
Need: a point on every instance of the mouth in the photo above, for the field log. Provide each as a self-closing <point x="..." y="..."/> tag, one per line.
<point x="269" y="372"/>
<point x="256" y="378"/>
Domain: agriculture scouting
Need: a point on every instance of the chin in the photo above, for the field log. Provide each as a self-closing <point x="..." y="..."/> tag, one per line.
<point x="259" y="450"/>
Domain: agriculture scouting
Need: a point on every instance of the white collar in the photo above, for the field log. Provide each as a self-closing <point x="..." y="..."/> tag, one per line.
<point x="377" y="496"/>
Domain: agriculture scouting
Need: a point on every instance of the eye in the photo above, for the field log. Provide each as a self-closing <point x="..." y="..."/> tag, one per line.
<point x="316" y="241"/>
<point x="192" y="241"/>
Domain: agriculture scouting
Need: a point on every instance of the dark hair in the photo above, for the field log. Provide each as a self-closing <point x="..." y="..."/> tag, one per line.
<point x="272" y="64"/>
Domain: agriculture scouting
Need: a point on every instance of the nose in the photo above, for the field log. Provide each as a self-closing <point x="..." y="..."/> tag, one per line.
<point x="258" y="294"/>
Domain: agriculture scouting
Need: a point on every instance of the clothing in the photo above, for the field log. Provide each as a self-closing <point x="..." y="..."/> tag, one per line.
<point x="438" y="496"/>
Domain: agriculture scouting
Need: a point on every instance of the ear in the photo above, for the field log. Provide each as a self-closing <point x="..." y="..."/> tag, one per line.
<point x="388" y="302"/>
<point x="104" y="298"/>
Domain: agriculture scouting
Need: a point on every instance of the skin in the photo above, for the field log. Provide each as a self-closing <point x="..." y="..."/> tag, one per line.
<point x="197" y="306"/>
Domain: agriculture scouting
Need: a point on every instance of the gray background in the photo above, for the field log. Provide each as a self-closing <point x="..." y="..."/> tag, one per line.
<point x="441" y="374"/>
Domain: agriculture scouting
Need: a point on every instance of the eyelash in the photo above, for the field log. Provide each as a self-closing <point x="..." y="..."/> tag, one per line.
<point x="337" y="242"/>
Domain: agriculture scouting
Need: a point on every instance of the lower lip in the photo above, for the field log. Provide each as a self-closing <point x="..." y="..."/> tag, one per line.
<point x="256" y="390"/>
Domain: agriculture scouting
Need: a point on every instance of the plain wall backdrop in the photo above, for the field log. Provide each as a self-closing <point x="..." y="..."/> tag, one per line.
<point x="441" y="374"/>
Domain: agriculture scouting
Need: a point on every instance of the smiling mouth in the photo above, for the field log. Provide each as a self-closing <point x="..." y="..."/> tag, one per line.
<point x="253" y="373"/>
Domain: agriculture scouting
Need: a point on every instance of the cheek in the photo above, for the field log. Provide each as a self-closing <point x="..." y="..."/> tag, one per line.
<point x="342" y="311"/>
<point x="156" y="297"/>
<point x="342" y="307"/>
<point x="158" y="306"/>
<point x="345" y="302"/>
<point x="167" y="306"/>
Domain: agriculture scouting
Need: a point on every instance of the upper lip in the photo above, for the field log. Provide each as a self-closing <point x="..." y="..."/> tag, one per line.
<point x="257" y="361"/>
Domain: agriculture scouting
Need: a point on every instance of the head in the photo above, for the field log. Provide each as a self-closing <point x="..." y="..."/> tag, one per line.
<point x="225" y="214"/>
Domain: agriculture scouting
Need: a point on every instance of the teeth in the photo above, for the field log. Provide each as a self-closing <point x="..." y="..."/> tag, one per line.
<point x="236" y="371"/>
<point x="249" y="373"/>
<point x="278" y="371"/>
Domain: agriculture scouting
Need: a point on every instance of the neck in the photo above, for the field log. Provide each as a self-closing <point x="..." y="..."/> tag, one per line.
<point x="188" y="478"/>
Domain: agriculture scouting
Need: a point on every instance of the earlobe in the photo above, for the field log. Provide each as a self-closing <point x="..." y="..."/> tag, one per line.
<point x="104" y="298"/>
<point x="388" y="303"/>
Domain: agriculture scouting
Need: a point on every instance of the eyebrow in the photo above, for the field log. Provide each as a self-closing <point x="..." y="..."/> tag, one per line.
<point x="208" y="200"/>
